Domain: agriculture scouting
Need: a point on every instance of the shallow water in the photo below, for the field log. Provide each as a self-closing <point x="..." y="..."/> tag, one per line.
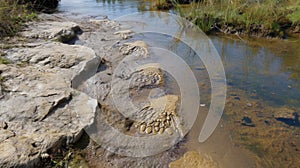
<point x="102" y="8"/>
<point x="271" y="73"/>
<point x="257" y="70"/>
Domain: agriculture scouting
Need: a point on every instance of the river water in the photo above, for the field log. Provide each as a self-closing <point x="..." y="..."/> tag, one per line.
<point x="258" y="71"/>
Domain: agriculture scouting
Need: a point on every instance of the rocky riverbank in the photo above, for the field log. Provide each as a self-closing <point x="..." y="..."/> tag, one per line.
<point x="39" y="109"/>
<point x="51" y="90"/>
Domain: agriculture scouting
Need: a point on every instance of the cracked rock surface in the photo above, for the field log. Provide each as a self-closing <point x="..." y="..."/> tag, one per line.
<point x="51" y="90"/>
<point x="39" y="108"/>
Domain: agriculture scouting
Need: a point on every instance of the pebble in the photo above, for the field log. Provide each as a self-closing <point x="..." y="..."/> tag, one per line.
<point x="143" y="128"/>
<point x="161" y="130"/>
<point x="167" y="123"/>
<point x="148" y="130"/>
<point x="159" y="125"/>
<point x="168" y="118"/>
<point x="156" y="129"/>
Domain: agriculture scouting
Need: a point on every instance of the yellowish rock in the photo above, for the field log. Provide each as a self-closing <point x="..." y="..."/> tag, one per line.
<point x="148" y="130"/>
<point x="161" y="130"/>
<point x="194" y="159"/>
<point x="142" y="127"/>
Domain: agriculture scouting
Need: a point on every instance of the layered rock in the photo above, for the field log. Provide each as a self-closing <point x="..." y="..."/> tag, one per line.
<point x="39" y="109"/>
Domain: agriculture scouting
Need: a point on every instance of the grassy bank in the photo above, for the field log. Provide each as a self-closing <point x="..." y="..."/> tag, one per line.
<point x="12" y="17"/>
<point x="267" y="18"/>
<point x="14" y="13"/>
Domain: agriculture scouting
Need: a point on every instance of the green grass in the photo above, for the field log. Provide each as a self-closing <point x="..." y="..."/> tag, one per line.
<point x="272" y="15"/>
<point x="13" y="16"/>
<point x="294" y="15"/>
<point x="4" y="61"/>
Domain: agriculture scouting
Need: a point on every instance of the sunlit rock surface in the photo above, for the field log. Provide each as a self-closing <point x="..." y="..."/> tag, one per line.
<point x="39" y="109"/>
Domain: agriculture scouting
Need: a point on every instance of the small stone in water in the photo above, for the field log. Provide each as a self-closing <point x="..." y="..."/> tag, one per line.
<point x="161" y="130"/>
<point x="167" y="123"/>
<point x="154" y="131"/>
<point x="168" y="118"/>
<point x="148" y="130"/>
<point x="143" y="128"/>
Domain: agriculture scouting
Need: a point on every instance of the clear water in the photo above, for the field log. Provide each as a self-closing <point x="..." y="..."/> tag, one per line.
<point x="272" y="76"/>
<point x="262" y="71"/>
<point x="101" y="8"/>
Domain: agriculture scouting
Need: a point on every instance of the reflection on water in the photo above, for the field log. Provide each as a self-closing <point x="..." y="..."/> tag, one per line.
<point x="260" y="72"/>
<point x="256" y="70"/>
<point x="102" y="8"/>
<point x="272" y="74"/>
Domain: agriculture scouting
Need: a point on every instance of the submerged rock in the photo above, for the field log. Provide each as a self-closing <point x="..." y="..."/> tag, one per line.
<point x="247" y="121"/>
<point x="288" y="116"/>
<point x="194" y="159"/>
